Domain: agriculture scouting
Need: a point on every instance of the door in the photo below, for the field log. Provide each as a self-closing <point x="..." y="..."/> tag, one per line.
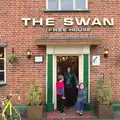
<point x="62" y="63"/>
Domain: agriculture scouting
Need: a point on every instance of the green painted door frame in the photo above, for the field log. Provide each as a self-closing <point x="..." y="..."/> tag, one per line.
<point x="86" y="72"/>
<point x="50" y="105"/>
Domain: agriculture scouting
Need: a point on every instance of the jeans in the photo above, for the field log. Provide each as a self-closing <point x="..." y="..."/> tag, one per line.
<point x="79" y="106"/>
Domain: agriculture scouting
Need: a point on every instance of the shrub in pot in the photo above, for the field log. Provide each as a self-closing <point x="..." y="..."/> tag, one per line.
<point x="12" y="58"/>
<point x="35" y="102"/>
<point x="103" y="100"/>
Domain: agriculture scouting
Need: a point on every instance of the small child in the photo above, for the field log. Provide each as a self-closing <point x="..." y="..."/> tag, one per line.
<point x="81" y="99"/>
<point x="60" y="94"/>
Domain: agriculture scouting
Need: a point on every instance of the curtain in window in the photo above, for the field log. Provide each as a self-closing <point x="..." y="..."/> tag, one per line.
<point x="80" y="4"/>
<point x="66" y="4"/>
<point x="53" y="4"/>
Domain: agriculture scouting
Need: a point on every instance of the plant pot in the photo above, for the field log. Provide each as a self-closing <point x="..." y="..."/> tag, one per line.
<point x="11" y="62"/>
<point x="35" y="112"/>
<point x="12" y="59"/>
<point x="104" y="111"/>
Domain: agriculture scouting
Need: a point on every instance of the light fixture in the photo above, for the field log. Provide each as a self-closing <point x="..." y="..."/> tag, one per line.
<point x="63" y="58"/>
<point x="1" y="55"/>
<point x="28" y="54"/>
<point x="106" y="53"/>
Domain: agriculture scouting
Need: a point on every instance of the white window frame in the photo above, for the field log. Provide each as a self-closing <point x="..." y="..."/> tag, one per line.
<point x="59" y="5"/>
<point x="4" y="65"/>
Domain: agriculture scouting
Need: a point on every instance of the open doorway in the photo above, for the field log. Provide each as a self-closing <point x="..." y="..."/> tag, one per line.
<point x="63" y="63"/>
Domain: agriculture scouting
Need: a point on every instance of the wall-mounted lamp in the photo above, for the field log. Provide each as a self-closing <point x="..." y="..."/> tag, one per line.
<point x="28" y="54"/>
<point x="1" y="55"/>
<point x="106" y="53"/>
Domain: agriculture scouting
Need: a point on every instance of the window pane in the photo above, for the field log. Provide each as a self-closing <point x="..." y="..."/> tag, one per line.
<point x="53" y="4"/>
<point x="1" y="52"/>
<point x="1" y="76"/>
<point x="1" y="64"/>
<point x="66" y="4"/>
<point x="80" y="4"/>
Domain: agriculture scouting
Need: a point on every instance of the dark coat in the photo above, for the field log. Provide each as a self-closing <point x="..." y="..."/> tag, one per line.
<point x="74" y="80"/>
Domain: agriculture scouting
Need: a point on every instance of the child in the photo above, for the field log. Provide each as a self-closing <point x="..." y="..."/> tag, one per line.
<point x="60" y="94"/>
<point x="81" y="99"/>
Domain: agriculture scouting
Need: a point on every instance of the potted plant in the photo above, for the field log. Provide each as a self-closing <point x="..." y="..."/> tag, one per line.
<point x="103" y="100"/>
<point x="12" y="58"/>
<point x="35" y="103"/>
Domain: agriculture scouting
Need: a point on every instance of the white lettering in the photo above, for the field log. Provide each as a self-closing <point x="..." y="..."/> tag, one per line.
<point x="54" y="29"/>
<point x="50" y="21"/>
<point x="82" y="21"/>
<point x="79" y="29"/>
<point x="26" y="21"/>
<point x="106" y="21"/>
<point x="50" y="30"/>
<point x="68" y="21"/>
<point x="96" y="21"/>
<point x="37" y="22"/>
<point x="88" y="29"/>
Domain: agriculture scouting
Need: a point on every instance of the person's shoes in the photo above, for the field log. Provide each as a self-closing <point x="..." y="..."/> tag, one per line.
<point x="81" y="113"/>
<point x="78" y="112"/>
<point x="63" y="113"/>
<point x="58" y="111"/>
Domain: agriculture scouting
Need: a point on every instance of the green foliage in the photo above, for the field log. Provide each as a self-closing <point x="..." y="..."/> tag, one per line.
<point x="12" y="58"/>
<point x="103" y="93"/>
<point x="35" y="95"/>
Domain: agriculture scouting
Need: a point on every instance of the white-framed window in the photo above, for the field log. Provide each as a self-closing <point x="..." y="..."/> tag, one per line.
<point x="2" y="65"/>
<point x="67" y="4"/>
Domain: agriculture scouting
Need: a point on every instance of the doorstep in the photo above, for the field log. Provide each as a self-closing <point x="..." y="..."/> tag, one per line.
<point x="70" y="114"/>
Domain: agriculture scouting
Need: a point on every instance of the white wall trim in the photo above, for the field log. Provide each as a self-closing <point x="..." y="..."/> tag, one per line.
<point x="86" y="4"/>
<point x="54" y="81"/>
<point x="4" y="70"/>
<point x="89" y="80"/>
<point x="47" y="4"/>
<point x="5" y="60"/>
<point x="80" y="69"/>
<point x="68" y="50"/>
<point x="74" y="7"/>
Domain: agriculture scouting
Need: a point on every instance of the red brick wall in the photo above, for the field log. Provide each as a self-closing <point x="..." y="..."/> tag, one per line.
<point x="25" y="71"/>
<point x="20" y="38"/>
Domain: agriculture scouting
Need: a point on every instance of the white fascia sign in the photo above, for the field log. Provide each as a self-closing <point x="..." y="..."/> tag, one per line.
<point x="70" y="21"/>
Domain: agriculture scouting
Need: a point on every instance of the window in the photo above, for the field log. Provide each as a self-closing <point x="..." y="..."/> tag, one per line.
<point x="2" y="64"/>
<point x="67" y="4"/>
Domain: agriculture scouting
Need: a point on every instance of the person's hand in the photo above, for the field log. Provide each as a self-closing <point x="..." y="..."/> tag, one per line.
<point x="63" y="97"/>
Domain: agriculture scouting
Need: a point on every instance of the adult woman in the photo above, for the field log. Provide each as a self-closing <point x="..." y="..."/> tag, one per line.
<point x="71" y="82"/>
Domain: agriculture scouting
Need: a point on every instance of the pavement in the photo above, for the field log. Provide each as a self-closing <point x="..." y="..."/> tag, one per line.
<point x="116" y="117"/>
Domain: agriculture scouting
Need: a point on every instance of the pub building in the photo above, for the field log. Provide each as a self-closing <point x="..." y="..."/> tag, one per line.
<point x="48" y="36"/>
